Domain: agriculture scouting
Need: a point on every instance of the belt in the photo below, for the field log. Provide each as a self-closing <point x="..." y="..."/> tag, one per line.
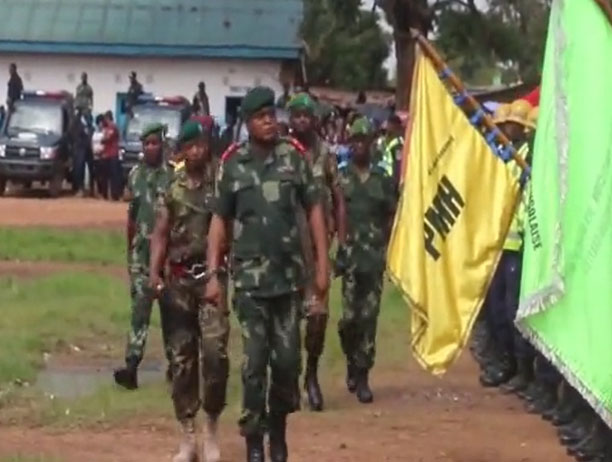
<point x="195" y="271"/>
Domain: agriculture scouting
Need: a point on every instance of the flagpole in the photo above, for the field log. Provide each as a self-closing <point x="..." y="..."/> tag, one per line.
<point x="441" y="66"/>
<point x="606" y="8"/>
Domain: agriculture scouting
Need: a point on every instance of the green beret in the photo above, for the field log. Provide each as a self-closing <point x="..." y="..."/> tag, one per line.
<point x="153" y="129"/>
<point x="191" y="130"/>
<point x="302" y="101"/>
<point x="361" y="126"/>
<point x="256" y="99"/>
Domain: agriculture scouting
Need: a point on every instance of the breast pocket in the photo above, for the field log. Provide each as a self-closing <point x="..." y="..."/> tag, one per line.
<point x="287" y="191"/>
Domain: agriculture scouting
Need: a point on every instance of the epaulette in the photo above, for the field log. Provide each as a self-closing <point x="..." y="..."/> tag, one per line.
<point x="296" y="144"/>
<point x="229" y="152"/>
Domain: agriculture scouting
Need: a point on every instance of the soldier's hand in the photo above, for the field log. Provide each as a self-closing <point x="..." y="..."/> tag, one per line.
<point x="316" y="306"/>
<point x="212" y="293"/>
<point x="156" y="284"/>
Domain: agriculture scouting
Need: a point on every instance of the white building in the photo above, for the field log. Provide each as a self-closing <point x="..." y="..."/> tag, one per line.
<point x="232" y="45"/>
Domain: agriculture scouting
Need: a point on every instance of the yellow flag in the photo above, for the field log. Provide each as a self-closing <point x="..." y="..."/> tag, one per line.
<point x="456" y="205"/>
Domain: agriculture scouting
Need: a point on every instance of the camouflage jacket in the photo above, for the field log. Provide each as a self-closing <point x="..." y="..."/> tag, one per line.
<point x="145" y="183"/>
<point x="370" y="203"/>
<point x="262" y="195"/>
<point x="190" y="211"/>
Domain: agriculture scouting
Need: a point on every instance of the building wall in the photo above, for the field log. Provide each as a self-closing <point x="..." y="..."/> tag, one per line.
<point x="163" y="77"/>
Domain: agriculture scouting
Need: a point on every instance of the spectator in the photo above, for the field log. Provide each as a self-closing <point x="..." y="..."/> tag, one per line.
<point x="84" y="95"/>
<point x="362" y="98"/>
<point x="82" y="131"/>
<point x="201" y="106"/>
<point x="284" y="98"/>
<point x="15" y="86"/>
<point x="2" y="115"/>
<point x="110" y="166"/>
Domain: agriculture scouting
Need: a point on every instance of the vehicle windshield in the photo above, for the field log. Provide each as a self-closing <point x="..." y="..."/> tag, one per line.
<point x="144" y="116"/>
<point x="35" y="118"/>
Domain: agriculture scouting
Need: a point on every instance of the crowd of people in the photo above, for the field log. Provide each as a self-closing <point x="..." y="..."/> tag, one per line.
<point x="507" y="360"/>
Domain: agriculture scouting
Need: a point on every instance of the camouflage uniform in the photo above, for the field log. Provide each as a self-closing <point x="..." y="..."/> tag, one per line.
<point x="325" y="173"/>
<point x="194" y="328"/>
<point x="370" y="203"/>
<point x="262" y="197"/>
<point x="145" y="183"/>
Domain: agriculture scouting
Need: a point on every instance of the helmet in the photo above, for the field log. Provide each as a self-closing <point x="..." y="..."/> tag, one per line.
<point x="519" y="112"/>
<point x="501" y="113"/>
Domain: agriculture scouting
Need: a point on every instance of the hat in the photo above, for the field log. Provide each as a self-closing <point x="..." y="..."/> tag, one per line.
<point x="517" y="112"/>
<point x="532" y="117"/>
<point x="361" y="126"/>
<point x="153" y="129"/>
<point x="302" y="101"/>
<point x="256" y="99"/>
<point x="501" y="113"/>
<point x="191" y="130"/>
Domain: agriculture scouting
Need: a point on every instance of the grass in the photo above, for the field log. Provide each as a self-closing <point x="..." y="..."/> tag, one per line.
<point x="40" y="314"/>
<point x="57" y="245"/>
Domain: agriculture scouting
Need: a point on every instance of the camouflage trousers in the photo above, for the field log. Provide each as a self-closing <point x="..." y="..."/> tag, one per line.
<point x="271" y="338"/>
<point x="197" y="337"/>
<point x="316" y="326"/>
<point x="361" y="294"/>
<point x="142" y="303"/>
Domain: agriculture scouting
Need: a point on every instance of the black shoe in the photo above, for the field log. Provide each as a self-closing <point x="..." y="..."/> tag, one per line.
<point x="577" y="430"/>
<point x="522" y="379"/>
<point x="278" y="441"/>
<point x="255" y="448"/>
<point x="569" y="406"/>
<point x="545" y="402"/>
<point x="364" y="394"/>
<point x="311" y="385"/>
<point x="594" y="444"/>
<point x="529" y="393"/>
<point x="351" y="380"/>
<point x="127" y="377"/>
<point x="494" y="376"/>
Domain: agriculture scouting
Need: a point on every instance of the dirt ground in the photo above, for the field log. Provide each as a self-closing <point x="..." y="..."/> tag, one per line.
<point x="415" y="418"/>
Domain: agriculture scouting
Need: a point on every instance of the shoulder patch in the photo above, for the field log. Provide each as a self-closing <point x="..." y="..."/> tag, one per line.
<point x="297" y="145"/>
<point x="229" y="152"/>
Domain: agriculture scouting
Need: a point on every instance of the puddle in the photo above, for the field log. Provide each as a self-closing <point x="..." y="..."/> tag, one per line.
<point x="77" y="382"/>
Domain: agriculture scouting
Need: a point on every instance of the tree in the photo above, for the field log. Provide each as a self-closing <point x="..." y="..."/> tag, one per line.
<point x="345" y="45"/>
<point x="508" y="32"/>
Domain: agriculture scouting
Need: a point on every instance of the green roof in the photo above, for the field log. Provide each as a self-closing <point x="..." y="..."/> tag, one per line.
<point x="212" y="28"/>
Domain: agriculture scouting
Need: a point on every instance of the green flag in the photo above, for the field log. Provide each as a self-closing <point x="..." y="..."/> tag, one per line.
<point x="566" y="291"/>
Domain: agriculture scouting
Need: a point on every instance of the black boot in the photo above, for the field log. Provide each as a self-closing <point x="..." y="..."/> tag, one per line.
<point x="544" y="402"/>
<point x="311" y="385"/>
<point x="593" y="445"/>
<point x="351" y="380"/>
<point x="278" y="441"/>
<point x="522" y="379"/>
<point x="569" y="405"/>
<point x="578" y="429"/>
<point x="364" y="394"/>
<point x="127" y="377"/>
<point x="255" y="448"/>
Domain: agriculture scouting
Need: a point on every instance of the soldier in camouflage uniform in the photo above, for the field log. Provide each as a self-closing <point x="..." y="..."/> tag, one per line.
<point x="370" y="198"/>
<point x="261" y="185"/>
<point x="193" y="328"/>
<point x="146" y="181"/>
<point x="325" y="171"/>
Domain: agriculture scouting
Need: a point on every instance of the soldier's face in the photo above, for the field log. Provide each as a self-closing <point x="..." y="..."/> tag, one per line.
<point x="152" y="147"/>
<point x="301" y="121"/>
<point x="263" y="125"/>
<point x="196" y="154"/>
<point x="514" y="132"/>
<point x="361" y="148"/>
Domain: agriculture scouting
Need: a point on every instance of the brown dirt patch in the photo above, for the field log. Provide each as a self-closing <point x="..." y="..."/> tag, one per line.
<point x="62" y="213"/>
<point x="28" y="269"/>
<point x="416" y="418"/>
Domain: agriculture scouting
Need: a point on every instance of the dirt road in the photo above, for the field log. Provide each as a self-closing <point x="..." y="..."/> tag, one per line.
<point x="415" y="418"/>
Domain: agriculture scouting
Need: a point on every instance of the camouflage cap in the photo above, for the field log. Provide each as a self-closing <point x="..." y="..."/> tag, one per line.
<point x="192" y="130"/>
<point x="302" y="101"/>
<point x="361" y="126"/>
<point x="153" y="129"/>
<point x="256" y="99"/>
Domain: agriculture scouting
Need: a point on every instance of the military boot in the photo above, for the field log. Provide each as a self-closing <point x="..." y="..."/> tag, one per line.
<point x="480" y="342"/>
<point x="363" y="391"/>
<point x="311" y="385"/>
<point x="187" y="449"/>
<point x="498" y="371"/>
<point x="351" y="379"/>
<point x="255" y="448"/>
<point x="278" y="441"/>
<point x="545" y="400"/>
<point x="578" y="429"/>
<point x="127" y="377"/>
<point x="569" y="406"/>
<point x="211" y="451"/>
<point x="593" y="445"/>
<point x="522" y="379"/>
